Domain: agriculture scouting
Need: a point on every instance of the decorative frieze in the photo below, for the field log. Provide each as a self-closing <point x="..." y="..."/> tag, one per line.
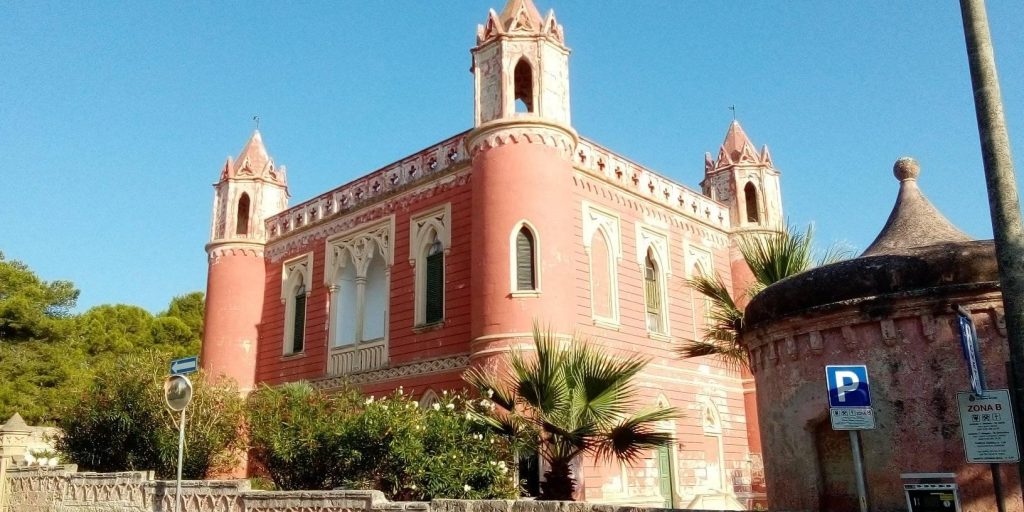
<point x="412" y="170"/>
<point x="891" y="335"/>
<point x="396" y="372"/>
<point x="601" y="162"/>
<point x="277" y="249"/>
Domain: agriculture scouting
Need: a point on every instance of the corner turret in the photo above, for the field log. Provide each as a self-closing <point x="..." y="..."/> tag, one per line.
<point x="746" y="180"/>
<point x="250" y="189"/>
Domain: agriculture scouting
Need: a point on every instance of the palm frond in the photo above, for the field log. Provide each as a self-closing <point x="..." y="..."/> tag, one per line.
<point x="732" y="354"/>
<point x="491" y="386"/>
<point x="633" y="436"/>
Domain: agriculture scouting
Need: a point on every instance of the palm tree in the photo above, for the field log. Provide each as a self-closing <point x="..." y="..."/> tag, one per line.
<point x="567" y="401"/>
<point x="771" y="257"/>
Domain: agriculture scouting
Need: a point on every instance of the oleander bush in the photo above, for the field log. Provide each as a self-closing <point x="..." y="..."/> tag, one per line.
<point x="120" y="422"/>
<point x="309" y="439"/>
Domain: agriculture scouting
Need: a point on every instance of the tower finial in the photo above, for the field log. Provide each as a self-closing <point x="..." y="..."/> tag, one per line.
<point x="733" y="108"/>
<point x="256" y="121"/>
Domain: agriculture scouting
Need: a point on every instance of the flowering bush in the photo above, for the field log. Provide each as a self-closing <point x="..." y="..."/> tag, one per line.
<point x="312" y="440"/>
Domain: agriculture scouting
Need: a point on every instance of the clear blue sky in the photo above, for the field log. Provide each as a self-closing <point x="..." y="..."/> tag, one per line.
<point x="115" y="117"/>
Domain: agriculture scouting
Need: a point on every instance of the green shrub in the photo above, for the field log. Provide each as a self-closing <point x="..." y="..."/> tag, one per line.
<point x="120" y="422"/>
<point x="308" y="439"/>
<point x="296" y="436"/>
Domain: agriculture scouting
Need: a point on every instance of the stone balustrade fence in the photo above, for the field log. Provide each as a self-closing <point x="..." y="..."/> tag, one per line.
<point x="64" y="489"/>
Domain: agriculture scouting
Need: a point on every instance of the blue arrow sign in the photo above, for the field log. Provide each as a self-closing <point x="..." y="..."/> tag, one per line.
<point x="969" y="344"/>
<point x="185" y="365"/>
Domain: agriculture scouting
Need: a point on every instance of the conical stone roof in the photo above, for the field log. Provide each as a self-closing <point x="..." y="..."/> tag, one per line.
<point x="917" y="252"/>
<point x="914" y="221"/>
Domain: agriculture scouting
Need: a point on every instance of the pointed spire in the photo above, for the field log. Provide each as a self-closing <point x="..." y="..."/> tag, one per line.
<point x="253" y="162"/>
<point x="15" y="424"/>
<point x="521" y="15"/>
<point x="738" y="149"/>
<point x="914" y="221"/>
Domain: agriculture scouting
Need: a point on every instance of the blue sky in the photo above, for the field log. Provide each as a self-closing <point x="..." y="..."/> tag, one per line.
<point x="115" y="117"/>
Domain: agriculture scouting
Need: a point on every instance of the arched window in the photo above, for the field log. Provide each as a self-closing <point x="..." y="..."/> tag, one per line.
<point x="242" y="219"/>
<point x="433" y="291"/>
<point x="375" y="300"/>
<point x="523" y="80"/>
<point x="602" y="276"/>
<point x="295" y="286"/>
<point x="750" y="193"/>
<point x="346" y="306"/>
<point x="299" y="319"/>
<point x="652" y="294"/>
<point x="526" y="275"/>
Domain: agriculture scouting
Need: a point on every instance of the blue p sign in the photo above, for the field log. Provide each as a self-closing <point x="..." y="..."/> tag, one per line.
<point x="847" y="386"/>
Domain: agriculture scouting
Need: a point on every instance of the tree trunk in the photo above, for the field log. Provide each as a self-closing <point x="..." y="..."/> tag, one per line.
<point x="1002" y="190"/>
<point x="558" y="482"/>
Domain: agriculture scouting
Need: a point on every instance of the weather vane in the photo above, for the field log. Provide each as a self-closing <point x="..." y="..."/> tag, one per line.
<point x="256" y="119"/>
<point x="733" y="108"/>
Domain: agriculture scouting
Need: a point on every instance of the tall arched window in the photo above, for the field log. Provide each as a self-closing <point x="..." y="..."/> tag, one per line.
<point x="652" y="294"/>
<point x="750" y="193"/>
<point x="433" y="291"/>
<point x="523" y="86"/>
<point x="526" y="275"/>
<point x="299" y="320"/>
<point x="601" y="276"/>
<point x="242" y="219"/>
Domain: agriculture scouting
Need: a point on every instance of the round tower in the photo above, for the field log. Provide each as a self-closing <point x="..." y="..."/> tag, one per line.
<point x="521" y="146"/>
<point x="250" y="190"/>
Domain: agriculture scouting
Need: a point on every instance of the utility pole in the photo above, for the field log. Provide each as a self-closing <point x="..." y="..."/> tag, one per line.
<point x="1002" y="191"/>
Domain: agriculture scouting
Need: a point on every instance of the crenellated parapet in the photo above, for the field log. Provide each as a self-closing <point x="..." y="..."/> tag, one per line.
<point x="626" y="174"/>
<point x="403" y="175"/>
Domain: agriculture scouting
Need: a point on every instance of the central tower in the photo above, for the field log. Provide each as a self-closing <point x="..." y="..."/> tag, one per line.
<point x="521" y="145"/>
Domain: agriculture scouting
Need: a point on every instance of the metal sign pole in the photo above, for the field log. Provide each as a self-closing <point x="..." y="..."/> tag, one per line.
<point x="858" y="469"/>
<point x="181" y="452"/>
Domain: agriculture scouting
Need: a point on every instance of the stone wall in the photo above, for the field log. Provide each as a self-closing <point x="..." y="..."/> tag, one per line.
<point x="64" y="489"/>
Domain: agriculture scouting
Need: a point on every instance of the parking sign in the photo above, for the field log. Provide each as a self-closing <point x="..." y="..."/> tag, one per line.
<point x="848" y="385"/>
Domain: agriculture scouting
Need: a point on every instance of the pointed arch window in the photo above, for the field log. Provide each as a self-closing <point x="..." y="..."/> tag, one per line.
<point x="433" y="292"/>
<point x="523" y="83"/>
<point x="295" y="289"/>
<point x="299" y="321"/>
<point x="750" y="194"/>
<point x="430" y="240"/>
<point x="242" y="219"/>
<point x="653" y="295"/>
<point x="525" y="261"/>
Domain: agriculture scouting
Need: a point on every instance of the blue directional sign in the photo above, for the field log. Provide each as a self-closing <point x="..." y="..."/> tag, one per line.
<point x="969" y="344"/>
<point x="848" y="385"/>
<point x="185" y="365"/>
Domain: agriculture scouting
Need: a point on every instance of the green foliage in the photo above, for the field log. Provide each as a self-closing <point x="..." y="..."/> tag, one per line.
<point x="771" y="258"/>
<point x="309" y="439"/>
<point x="47" y="354"/>
<point x="188" y="308"/>
<point x="30" y="308"/>
<point x="570" y="400"/>
<point x="120" y="422"/>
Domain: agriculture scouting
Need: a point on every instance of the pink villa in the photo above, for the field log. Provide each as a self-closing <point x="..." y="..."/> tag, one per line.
<point x="443" y="260"/>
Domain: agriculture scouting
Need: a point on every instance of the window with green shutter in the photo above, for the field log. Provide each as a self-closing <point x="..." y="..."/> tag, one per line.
<point x="434" y="289"/>
<point x="298" y="335"/>
<point x="526" y="279"/>
<point x="652" y="294"/>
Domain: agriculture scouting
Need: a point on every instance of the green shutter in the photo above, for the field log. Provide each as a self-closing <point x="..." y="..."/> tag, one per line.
<point x="524" y="261"/>
<point x="435" y="288"/>
<point x="300" y="322"/>
<point x="652" y="296"/>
